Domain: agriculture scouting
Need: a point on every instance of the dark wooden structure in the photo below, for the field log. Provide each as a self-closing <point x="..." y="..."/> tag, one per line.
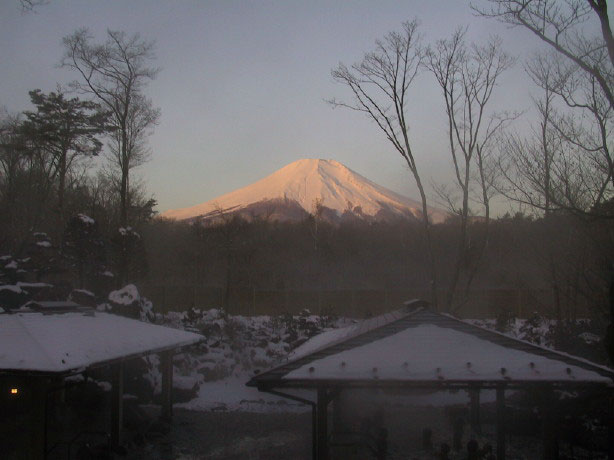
<point x="59" y="341"/>
<point x="409" y="350"/>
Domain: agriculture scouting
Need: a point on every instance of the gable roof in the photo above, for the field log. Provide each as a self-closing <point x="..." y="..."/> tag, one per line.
<point x="418" y="347"/>
<point x="64" y="343"/>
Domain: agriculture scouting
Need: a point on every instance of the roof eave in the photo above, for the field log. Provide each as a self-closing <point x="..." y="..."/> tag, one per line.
<point x="264" y="385"/>
<point x="96" y="364"/>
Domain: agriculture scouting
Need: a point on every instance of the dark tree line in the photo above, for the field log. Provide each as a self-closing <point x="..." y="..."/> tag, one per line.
<point x="355" y="255"/>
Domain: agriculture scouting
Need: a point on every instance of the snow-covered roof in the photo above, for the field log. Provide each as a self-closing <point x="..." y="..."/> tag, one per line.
<point x="421" y="347"/>
<point x="69" y="342"/>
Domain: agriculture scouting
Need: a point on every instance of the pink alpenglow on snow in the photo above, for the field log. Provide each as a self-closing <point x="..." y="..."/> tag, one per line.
<point x="309" y="180"/>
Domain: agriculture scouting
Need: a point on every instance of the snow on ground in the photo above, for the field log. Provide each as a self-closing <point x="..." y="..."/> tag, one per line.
<point x="231" y="394"/>
<point x="235" y="348"/>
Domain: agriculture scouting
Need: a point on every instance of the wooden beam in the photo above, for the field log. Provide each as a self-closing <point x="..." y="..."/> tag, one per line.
<point x="322" y="424"/>
<point x="117" y="403"/>
<point x="501" y="422"/>
<point x="166" y="364"/>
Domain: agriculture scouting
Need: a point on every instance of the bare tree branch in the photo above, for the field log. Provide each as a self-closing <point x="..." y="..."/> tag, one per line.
<point x="379" y="86"/>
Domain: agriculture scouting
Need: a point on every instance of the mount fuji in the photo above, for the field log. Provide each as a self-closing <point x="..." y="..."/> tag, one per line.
<point x="298" y="188"/>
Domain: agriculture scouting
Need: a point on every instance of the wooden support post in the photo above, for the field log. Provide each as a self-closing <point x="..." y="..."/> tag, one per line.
<point x="611" y="427"/>
<point x="322" y="424"/>
<point x="550" y="445"/>
<point x="166" y="363"/>
<point x="117" y="403"/>
<point x="337" y="417"/>
<point x="501" y="422"/>
<point x="314" y="432"/>
<point x="474" y="397"/>
<point x="36" y="448"/>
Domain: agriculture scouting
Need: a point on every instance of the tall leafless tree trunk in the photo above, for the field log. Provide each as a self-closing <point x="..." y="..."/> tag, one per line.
<point x="467" y="76"/>
<point x="380" y="84"/>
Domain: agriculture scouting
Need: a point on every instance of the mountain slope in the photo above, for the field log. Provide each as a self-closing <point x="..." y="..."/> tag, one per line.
<point x="303" y="182"/>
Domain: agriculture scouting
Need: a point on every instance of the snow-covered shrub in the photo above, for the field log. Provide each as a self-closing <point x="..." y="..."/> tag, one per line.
<point x="580" y="338"/>
<point x="12" y="296"/>
<point x="297" y="329"/>
<point x="533" y="330"/>
<point x="583" y="338"/>
<point x="128" y="302"/>
<point x="235" y="345"/>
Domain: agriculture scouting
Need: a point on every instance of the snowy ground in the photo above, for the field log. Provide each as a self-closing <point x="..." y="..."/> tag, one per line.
<point x="231" y="394"/>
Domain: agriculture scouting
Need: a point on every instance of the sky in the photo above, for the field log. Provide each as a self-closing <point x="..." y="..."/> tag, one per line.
<point x="243" y="84"/>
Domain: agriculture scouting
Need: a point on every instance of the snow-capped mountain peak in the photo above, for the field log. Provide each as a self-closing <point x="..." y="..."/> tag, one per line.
<point x="307" y="182"/>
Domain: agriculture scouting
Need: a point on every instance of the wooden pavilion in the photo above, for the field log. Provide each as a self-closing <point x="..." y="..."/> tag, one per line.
<point x="39" y="349"/>
<point x="418" y="349"/>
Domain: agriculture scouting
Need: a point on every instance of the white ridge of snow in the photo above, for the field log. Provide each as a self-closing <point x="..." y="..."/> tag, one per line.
<point x="308" y="180"/>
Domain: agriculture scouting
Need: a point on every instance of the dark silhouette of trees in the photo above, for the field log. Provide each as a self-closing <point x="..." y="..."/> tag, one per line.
<point x="66" y="129"/>
<point x="84" y="248"/>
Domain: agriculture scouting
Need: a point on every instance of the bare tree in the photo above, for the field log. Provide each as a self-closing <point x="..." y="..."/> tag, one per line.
<point x="584" y="171"/>
<point x="467" y="76"/>
<point x="559" y="24"/>
<point x="141" y="118"/>
<point x="566" y="162"/>
<point x="115" y="73"/>
<point x="12" y="161"/>
<point x="380" y="84"/>
<point x="528" y="163"/>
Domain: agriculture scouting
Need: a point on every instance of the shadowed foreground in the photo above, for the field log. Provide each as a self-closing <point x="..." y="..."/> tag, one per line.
<point x="231" y="435"/>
